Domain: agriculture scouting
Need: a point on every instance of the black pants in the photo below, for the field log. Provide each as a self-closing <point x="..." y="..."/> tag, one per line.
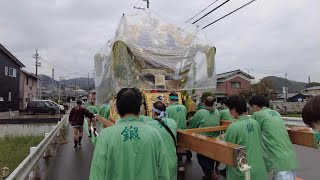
<point x="207" y="165"/>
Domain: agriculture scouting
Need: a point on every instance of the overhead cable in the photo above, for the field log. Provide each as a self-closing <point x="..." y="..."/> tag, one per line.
<point x="229" y="13"/>
<point x="202" y="11"/>
<point x="211" y="11"/>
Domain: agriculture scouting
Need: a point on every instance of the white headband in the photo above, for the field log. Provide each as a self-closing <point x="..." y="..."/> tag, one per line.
<point x="162" y="113"/>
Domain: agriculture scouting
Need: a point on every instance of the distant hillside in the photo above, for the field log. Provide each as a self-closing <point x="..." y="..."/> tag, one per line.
<point x="81" y="82"/>
<point x="278" y="83"/>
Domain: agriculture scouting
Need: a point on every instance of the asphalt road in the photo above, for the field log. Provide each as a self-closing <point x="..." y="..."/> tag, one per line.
<point x="75" y="164"/>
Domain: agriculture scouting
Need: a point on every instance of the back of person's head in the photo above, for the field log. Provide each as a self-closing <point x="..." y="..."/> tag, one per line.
<point x="224" y="101"/>
<point x="311" y="112"/>
<point x="209" y="101"/>
<point x="238" y="104"/>
<point x="91" y="103"/>
<point x="173" y="96"/>
<point x="159" y="106"/>
<point x="79" y="102"/>
<point x="258" y="101"/>
<point x="129" y="101"/>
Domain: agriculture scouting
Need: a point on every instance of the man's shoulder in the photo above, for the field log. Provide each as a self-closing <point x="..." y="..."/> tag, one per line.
<point x="170" y="121"/>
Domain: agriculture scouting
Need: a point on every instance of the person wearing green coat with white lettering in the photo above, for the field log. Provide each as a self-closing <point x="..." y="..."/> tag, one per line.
<point x="169" y="138"/>
<point x="177" y="111"/>
<point x="94" y="110"/>
<point x="245" y="131"/>
<point x="206" y="116"/>
<point x="130" y="149"/>
<point x="279" y="154"/>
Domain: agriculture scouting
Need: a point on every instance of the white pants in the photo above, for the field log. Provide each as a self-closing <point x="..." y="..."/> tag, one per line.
<point x="284" y="175"/>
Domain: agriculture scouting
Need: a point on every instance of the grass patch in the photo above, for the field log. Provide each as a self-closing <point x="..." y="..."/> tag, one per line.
<point x="292" y="115"/>
<point x="14" y="149"/>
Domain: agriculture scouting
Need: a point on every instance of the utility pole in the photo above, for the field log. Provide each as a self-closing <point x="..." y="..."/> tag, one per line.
<point x="52" y="80"/>
<point x="286" y="86"/>
<point x="60" y="90"/>
<point x="250" y="81"/>
<point x="37" y="57"/>
<point x="75" y="88"/>
<point x="88" y="83"/>
<point x="147" y="3"/>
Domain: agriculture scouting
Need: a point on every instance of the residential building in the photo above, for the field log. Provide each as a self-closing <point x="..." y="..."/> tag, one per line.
<point x="9" y="80"/>
<point x="28" y="88"/>
<point x="232" y="82"/>
<point x="292" y="97"/>
<point x="312" y="91"/>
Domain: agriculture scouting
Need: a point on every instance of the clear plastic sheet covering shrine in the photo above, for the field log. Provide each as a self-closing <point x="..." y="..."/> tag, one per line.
<point x="149" y="53"/>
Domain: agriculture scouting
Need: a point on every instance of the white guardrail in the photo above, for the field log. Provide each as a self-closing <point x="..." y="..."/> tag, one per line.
<point x="294" y="121"/>
<point x="24" y="169"/>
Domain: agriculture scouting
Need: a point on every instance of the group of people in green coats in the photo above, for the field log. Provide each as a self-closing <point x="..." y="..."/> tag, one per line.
<point x="141" y="147"/>
<point x="264" y="134"/>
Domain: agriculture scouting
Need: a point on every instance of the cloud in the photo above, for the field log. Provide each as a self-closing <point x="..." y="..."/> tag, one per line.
<point x="271" y="37"/>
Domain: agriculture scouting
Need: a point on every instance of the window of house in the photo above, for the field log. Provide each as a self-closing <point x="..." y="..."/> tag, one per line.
<point x="9" y="96"/>
<point x="6" y="70"/>
<point x="12" y="72"/>
<point x="27" y="81"/>
<point x="219" y="84"/>
<point x="236" y="85"/>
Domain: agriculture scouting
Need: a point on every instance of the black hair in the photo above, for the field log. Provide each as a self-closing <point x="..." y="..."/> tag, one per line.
<point x="259" y="101"/>
<point x="160" y="106"/>
<point x="224" y="101"/>
<point x="311" y="111"/>
<point x="129" y="101"/>
<point x="238" y="104"/>
<point x="91" y="103"/>
<point x="209" y="101"/>
<point x="79" y="102"/>
<point x="173" y="94"/>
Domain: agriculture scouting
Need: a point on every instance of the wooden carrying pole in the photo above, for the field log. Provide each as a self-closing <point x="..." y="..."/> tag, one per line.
<point x="219" y="150"/>
<point x="213" y="148"/>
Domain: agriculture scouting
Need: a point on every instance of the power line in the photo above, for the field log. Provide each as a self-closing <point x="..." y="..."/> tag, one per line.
<point x="229" y="13"/>
<point x="130" y="5"/>
<point x="135" y="6"/>
<point x="139" y="7"/>
<point x="202" y="10"/>
<point x="211" y="11"/>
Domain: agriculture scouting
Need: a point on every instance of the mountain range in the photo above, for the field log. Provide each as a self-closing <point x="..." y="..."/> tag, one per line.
<point x="80" y="82"/>
<point x="278" y="84"/>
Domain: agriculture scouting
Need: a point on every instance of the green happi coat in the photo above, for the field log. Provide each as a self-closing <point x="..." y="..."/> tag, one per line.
<point x="246" y="131"/>
<point x="178" y="112"/>
<point x="279" y="154"/>
<point x="129" y="150"/>
<point x="93" y="109"/>
<point x="103" y="108"/>
<point x="206" y="118"/>
<point x="225" y="115"/>
<point x="145" y="119"/>
<point x="169" y="145"/>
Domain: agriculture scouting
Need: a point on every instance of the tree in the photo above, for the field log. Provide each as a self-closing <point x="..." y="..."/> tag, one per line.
<point x="312" y="84"/>
<point x="263" y="88"/>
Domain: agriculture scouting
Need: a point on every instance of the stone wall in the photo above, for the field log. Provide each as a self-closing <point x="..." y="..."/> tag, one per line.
<point x="290" y="107"/>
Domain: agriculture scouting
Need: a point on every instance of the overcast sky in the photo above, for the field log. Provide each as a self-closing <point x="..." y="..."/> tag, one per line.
<point x="269" y="37"/>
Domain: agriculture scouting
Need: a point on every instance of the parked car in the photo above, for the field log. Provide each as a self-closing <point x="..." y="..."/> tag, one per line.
<point x="42" y="106"/>
<point x="62" y="108"/>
